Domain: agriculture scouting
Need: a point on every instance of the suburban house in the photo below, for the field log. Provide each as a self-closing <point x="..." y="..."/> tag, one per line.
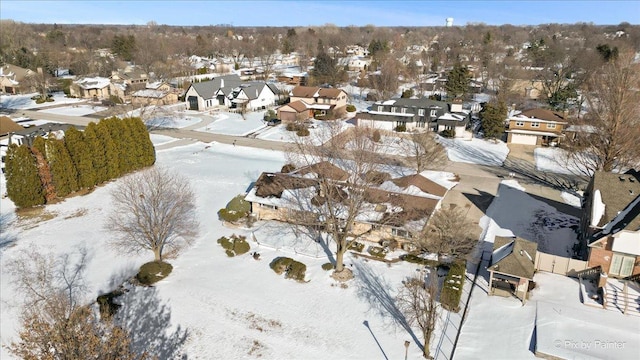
<point x="11" y="76"/>
<point x="91" y="88"/>
<point x="291" y="78"/>
<point x="326" y="103"/>
<point x="536" y="127"/>
<point x="27" y="135"/>
<point x="394" y="207"/>
<point x="8" y="126"/>
<point x="211" y="94"/>
<point x="512" y="266"/>
<point x="127" y="81"/>
<point x="611" y="223"/>
<point x="155" y="94"/>
<point x="415" y="114"/>
<point x="254" y="95"/>
<point x="295" y="111"/>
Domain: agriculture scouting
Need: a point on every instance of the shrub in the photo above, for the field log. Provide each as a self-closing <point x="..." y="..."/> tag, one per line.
<point x="108" y="307"/>
<point x="415" y="259"/>
<point x="401" y="128"/>
<point x="152" y="272"/>
<point x="376" y="135"/>
<point x="292" y="126"/>
<point x="357" y="246"/>
<point x="236" y="209"/>
<point x="270" y="115"/>
<point x="407" y="93"/>
<point x="230" y="215"/>
<point x="302" y="132"/>
<point x="452" y="287"/>
<point x="291" y="268"/>
<point x="448" y="133"/>
<point x="351" y="108"/>
<point x="377" y="251"/>
<point x="234" y="246"/>
<point x="287" y="168"/>
<point x="327" y="266"/>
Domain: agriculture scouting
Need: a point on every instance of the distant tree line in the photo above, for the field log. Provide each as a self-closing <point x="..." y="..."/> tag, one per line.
<point x="53" y="168"/>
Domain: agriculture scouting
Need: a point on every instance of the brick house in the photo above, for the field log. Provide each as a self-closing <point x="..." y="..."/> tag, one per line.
<point x="536" y="127"/>
<point x="326" y="103"/>
<point x="610" y="224"/>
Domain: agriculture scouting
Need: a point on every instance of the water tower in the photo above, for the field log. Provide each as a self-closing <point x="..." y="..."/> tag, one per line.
<point x="449" y="22"/>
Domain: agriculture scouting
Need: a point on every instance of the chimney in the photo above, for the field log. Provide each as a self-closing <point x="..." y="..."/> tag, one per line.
<point x="221" y="83"/>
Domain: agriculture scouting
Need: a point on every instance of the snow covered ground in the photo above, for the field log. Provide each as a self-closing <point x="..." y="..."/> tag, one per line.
<point x="233" y="124"/>
<point x="554" y="160"/>
<point x="75" y="110"/>
<point x="475" y="151"/>
<point x="214" y="306"/>
<point x="24" y="101"/>
<point x="319" y="132"/>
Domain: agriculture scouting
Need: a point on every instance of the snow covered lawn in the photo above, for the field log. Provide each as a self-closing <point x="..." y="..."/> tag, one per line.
<point x="390" y="145"/>
<point x="554" y="160"/>
<point x="76" y="110"/>
<point x="475" y="151"/>
<point x="233" y="124"/>
<point x="161" y="139"/>
<point x="24" y="101"/>
<point x="319" y="132"/>
<point x="214" y="306"/>
<point x="173" y="121"/>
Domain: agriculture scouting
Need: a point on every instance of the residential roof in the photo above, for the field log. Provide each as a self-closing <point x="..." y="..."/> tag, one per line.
<point x="421" y="183"/>
<point x="534" y="132"/>
<point x="323" y="169"/>
<point x="514" y="256"/>
<point x="544" y="114"/>
<point x="314" y="91"/>
<point x="618" y="192"/>
<point x="299" y="106"/>
<point x="93" y="82"/>
<point x="14" y="70"/>
<point x="208" y="89"/>
<point x="7" y="125"/>
<point x="422" y="103"/>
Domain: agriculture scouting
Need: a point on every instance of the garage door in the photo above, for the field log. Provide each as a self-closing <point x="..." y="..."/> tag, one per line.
<point x="523" y="139"/>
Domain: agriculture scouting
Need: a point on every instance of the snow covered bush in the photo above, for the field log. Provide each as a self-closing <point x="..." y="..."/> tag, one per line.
<point x="292" y="269"/>
<point x="452" y="287"/>
<point x="357" y="246"/>
<point x="377" y="251"/>
<point x="236" y="245"/>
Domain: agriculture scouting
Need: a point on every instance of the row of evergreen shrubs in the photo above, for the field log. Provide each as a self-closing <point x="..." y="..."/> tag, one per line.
<point x="234" y="246"/>
<point x="452" y="287"/>
<point x="54" y="168"/>
<point x="292" y="269"/>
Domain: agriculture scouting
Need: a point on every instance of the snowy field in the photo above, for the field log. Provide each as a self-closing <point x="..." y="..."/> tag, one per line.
<point x="213" y="306"/>
<point x="233" y="124"/>
<point x="175" y="121"/>
<point x="475" y="151"/>
<point x="161" y="139"/>
<point x="24" y="101"/>
<point x="390" y="145"/>
<point x="319" y="132"/>
<point x="75" y="110"/>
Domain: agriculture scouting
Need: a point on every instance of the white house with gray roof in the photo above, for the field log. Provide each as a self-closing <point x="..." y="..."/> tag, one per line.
<point x="211" y="94"/>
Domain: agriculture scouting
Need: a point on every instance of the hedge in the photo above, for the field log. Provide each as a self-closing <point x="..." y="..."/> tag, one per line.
<point x="415" y="259"/>
<point x="292" y="269"/>
<point x="236" y="245"/>
<point x="452" y="287"/>
<point x="377" y="251"/>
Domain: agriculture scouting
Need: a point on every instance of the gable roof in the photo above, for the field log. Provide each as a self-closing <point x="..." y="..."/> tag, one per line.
<point x="298" y="106"/>
<point x="617" y="193"/>
<point x="314" y="91"/>
<point x="544" y="114"/>
<point x="421" y="183"/>
<point x="208" y="89"/>
<point x="7" y="125"/>
<point x="323" y="169"/>
<point x="514" y="256"/>
<point x="627" y="219"/>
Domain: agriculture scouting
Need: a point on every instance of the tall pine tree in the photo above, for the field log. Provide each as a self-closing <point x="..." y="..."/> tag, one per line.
<point x="97" y="151"/>
<point x="65" y="176"/>
<point x="23" y="182"/>
<point x="81" y="156"/>
<point x="458" y="80"/>
<point x="110" y="150"/>
<point x="492" y="117"/>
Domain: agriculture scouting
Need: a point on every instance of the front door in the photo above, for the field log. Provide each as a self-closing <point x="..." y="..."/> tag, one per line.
<point x="193" y="103"/>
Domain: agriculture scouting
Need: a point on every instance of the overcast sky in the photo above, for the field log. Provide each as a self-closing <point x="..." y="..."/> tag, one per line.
<point x="304" y="13"/>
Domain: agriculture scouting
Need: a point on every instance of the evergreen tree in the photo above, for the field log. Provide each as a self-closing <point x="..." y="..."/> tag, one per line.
<point x="44" y="172"/>
<point x="38" y="143"/>
<point x="81" y="157"/>
<point x="97" y="151"/>
<point x="110" y="150"/>
<point x="23" y="182"/>
<point x="65" y="176"/>
<point x="146" y="150"/>
<point x="458" y="80"/>
<point x="116" y="132"/>
<point x="493" y="116"/>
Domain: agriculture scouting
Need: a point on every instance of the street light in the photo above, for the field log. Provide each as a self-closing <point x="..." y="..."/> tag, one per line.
<point x="406" y="348"/>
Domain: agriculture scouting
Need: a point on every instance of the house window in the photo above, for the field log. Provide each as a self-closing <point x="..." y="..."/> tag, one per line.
<point x="403" y="110"/>
<point x="535" y="124"/>
<point x="269" y="206"/>
<point x="622" y="265"/>
<point x="421" y="124"/>
<point x="433" y="113"/>
<point x="380" y="108"/>
<point x="394" y="109"/>
<point x="520" y="123"/>
<point x="399" y="232"/>
<point x="420" y="112"/>
<point x="551" y="126"/>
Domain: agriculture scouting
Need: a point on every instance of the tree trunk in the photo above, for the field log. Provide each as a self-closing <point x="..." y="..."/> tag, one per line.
<point x="157" y="252"/>
<point x="341" y="248"/>
<point x="425" y="349"/>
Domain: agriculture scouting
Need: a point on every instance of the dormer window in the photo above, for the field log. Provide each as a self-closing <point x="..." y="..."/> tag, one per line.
<point x="434" y="113"/>
<point x="420" y="112"/>
<point x="535" y="124"/>
<point x="394" y="109"/>
<point x="380" y="108"/>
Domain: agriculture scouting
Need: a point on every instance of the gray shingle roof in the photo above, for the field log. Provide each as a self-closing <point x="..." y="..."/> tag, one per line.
<point x="208" y="89"/>
<point x="513" y="256"/>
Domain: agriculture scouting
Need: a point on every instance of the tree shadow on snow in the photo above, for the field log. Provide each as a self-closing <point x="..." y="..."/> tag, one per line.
<point x="7" y="238"/>
<point x="149" y="321"/>
<point x="375" y="289"/>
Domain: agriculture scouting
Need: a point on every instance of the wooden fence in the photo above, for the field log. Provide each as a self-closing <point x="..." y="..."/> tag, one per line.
<point x="559" y="264"/>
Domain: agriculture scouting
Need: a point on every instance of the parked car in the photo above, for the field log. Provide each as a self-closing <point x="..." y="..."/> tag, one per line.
<point x="274" y="122"/>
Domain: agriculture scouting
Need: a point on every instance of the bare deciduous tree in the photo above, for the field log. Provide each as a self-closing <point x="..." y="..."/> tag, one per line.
<point x="153" y="210"/>
<point x="448" y="232"/>
<point x="417" y="300"/>
<point x="335" y="205"/>
<point x="612" y="125"/>
<point x="424" y="151"/>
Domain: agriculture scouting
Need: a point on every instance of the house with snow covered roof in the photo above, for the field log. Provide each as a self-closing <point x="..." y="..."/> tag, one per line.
<point x="536" y="127"/>
<point x="211" y="94"/>
<point x="512" y="266"/>
<point x="326" y="103"/>
<point x="91" y="88"/>
<point x="254" y="95"/>
<point x="11" y="76"/>
<point x="610" y="224"/>
<point x="394" y="208"/>
<point x="415" y="115"/>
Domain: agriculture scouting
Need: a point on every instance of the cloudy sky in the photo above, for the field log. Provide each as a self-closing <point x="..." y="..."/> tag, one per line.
<point x="304" y="13"/>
